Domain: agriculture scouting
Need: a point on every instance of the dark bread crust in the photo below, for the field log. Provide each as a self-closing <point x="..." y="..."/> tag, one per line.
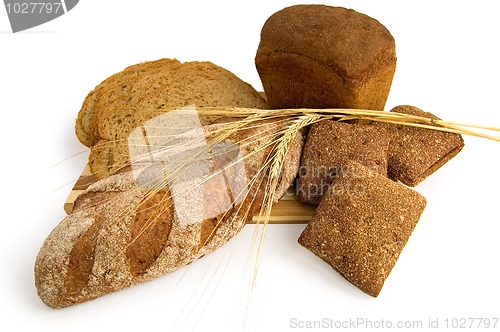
<point x="329" y="146"/>
<point x="320" y="56"/>
<point x="416" y="153"/>
<point x="150" y="230"/>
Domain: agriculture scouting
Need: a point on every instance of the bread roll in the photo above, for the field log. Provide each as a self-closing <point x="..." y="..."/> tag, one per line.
<point x="416" y="153"/>
<point x="318" y="56"/>
<point x="362" y="224"/>
<point x="332" y="144"/>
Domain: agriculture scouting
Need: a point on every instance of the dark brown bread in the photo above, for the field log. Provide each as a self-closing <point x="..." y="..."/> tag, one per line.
<point x="416" y="153"/>
<point x="319" y="56"/>
<point x="329" y="146"/>
<point x="362" y="225"/>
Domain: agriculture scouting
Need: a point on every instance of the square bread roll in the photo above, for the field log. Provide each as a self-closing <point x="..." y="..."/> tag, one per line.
<point x="416" y="153"/>
<point x="362" y="224"/>
<point x="329" y="146"/>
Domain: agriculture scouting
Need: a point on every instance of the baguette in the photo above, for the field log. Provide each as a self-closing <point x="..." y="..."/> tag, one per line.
<point x="121" y="232"/>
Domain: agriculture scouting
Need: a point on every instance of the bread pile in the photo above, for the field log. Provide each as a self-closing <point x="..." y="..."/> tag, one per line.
<point x="128" y="227"/>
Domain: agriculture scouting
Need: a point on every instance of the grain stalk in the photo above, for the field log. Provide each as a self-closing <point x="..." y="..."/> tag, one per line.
<point x="291" y="121"/>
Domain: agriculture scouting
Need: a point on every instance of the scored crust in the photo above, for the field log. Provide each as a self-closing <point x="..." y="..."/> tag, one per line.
<point x="121" y="233"/>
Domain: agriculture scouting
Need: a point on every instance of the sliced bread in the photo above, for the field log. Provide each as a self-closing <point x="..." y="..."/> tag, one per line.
<point x="85" y="127"/>
<point x="159" y="84"/>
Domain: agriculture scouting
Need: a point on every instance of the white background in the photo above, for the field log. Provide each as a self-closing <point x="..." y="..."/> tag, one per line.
<point x="447" y="64"/>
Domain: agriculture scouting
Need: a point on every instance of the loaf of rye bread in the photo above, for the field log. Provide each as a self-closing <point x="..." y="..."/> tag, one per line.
<point x="159" y="84"/>
<point x="318" y="56"/>
<point x="122" y="232"/>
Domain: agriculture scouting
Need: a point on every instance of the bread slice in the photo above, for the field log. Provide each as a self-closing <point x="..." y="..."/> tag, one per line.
<point x="193" y="83"/>
<point x="318" y="56"/>
<point x="85" y="127"/>
<point x="121" y="106"/>
<point x="160" y="84"/>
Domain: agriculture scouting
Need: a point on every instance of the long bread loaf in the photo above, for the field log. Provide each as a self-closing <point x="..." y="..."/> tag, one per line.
<point x="123" y="232"/>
